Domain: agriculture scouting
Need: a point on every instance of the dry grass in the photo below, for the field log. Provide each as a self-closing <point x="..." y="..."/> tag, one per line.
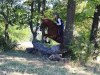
<point x="22" y="63"/>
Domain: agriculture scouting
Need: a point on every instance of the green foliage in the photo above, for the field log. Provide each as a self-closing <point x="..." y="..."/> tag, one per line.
<point x="1" y="29"/>
<point x="81" y="46"/>
<point x="19" y="17"/>
<point x="6" y="45"/>
<point x="16" y="35"/>
<point x="49" y="13"/>
<point x="1" y="36"/>
<point x="61" y="9"/>
<point x="19" y="35"/>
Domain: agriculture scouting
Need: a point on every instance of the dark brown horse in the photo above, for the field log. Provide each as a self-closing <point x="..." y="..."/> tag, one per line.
<point x="52" y="30"/>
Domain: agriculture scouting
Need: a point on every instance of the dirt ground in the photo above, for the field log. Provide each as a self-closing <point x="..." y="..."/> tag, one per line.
<point x="19" y="62"/>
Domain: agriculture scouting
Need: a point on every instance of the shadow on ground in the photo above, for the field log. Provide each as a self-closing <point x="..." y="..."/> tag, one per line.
<point x="22" y="63"/>
<point x="25" y="63"/>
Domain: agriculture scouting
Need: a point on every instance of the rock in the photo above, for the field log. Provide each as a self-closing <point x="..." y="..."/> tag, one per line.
<point x="58" y="57"/>
<point x="55" y="57"/>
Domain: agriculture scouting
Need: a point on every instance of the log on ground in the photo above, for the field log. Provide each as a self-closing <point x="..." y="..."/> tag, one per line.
<point x="44" y="49"/>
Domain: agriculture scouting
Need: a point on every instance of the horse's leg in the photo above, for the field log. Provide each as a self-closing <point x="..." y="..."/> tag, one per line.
<point x="46" y="39"/>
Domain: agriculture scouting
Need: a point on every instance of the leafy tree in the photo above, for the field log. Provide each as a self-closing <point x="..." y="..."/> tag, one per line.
<point x="95" y="25"/>
<point x="6" y="13"/>
<point x="7" y="17"/>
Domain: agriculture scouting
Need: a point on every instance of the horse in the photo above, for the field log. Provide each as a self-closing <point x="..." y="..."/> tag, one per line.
<point x="52" y="30"/>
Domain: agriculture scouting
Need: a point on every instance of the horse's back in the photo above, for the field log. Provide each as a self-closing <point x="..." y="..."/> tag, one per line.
<point x="51" y="23"/>
<point x="53" y="30"/>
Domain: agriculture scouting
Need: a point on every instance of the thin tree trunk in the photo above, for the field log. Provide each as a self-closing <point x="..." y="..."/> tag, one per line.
<point x="95" y="24"/>
<point x="43" y="9"/>
<point x="6" y="27"/>
<point x="6" y="33"/>
<point x="39" y="6"/>
<point x="43" y="6"/>
<point x="34" y="33"/>
<point x="31" y="17"/>
<point x="6" y="24"/>
<point x="68" y="34"/>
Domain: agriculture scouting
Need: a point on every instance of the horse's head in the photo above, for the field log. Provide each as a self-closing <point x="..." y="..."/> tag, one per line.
<point x="44" y="24"/>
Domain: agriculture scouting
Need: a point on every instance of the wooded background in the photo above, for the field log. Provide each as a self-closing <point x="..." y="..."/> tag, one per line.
<point x="81" y="17"/>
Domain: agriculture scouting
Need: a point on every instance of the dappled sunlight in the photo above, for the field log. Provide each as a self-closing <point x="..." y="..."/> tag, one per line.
<point x="26" y="64"/>
<point x="99" y="24"/>
<point x="76" y="34"/>
<point x="76" y="70"/>
<point x="1" y="63"/>
<point x="17" y="73"/>
<point x="81" y="6"/>
<point x="2" y="59"/>
<point x="24" y="45"/>
<point x="97" y="61"/>
<point x="36" y="62"/>
<point x="49" y="37"/>
<point x="22" y="63"/>
<point x="22" y="59"/>
<point x="90" y="68"/>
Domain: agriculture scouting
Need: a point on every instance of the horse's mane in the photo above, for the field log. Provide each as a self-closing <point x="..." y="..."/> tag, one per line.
<point x="49" y="21"/>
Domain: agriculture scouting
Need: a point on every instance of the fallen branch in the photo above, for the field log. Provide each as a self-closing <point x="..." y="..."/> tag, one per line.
<point x="44" y="49"/>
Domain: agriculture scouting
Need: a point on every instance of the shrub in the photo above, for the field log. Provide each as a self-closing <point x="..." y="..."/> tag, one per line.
<point x="81" y="46"/>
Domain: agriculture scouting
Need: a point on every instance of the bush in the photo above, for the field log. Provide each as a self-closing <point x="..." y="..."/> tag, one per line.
<point x="81" y="46"/>
<point x="16" y="34"/>
<point x="7" y="45"/>
<point x="19" y="34"/>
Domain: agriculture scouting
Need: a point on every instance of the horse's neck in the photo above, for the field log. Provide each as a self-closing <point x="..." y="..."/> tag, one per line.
<point x="50" y="22"/>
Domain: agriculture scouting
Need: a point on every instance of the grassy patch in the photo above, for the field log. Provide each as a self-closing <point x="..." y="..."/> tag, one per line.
<point x="23" y="63"/>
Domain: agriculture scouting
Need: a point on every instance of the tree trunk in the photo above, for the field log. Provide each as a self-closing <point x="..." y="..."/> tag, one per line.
<point x="7" y="26"/>
<point x="31" y="17"/>
<point x="43" y="6"/>
<point x="39" y="6"/>
<point x="68" y="34"/>
<point x="6" y="33"/>
<point x="34" y="33"/>
<point x="43" y="9"/>
<point x="95" y="24"/>
<point x="5" y="16"/>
